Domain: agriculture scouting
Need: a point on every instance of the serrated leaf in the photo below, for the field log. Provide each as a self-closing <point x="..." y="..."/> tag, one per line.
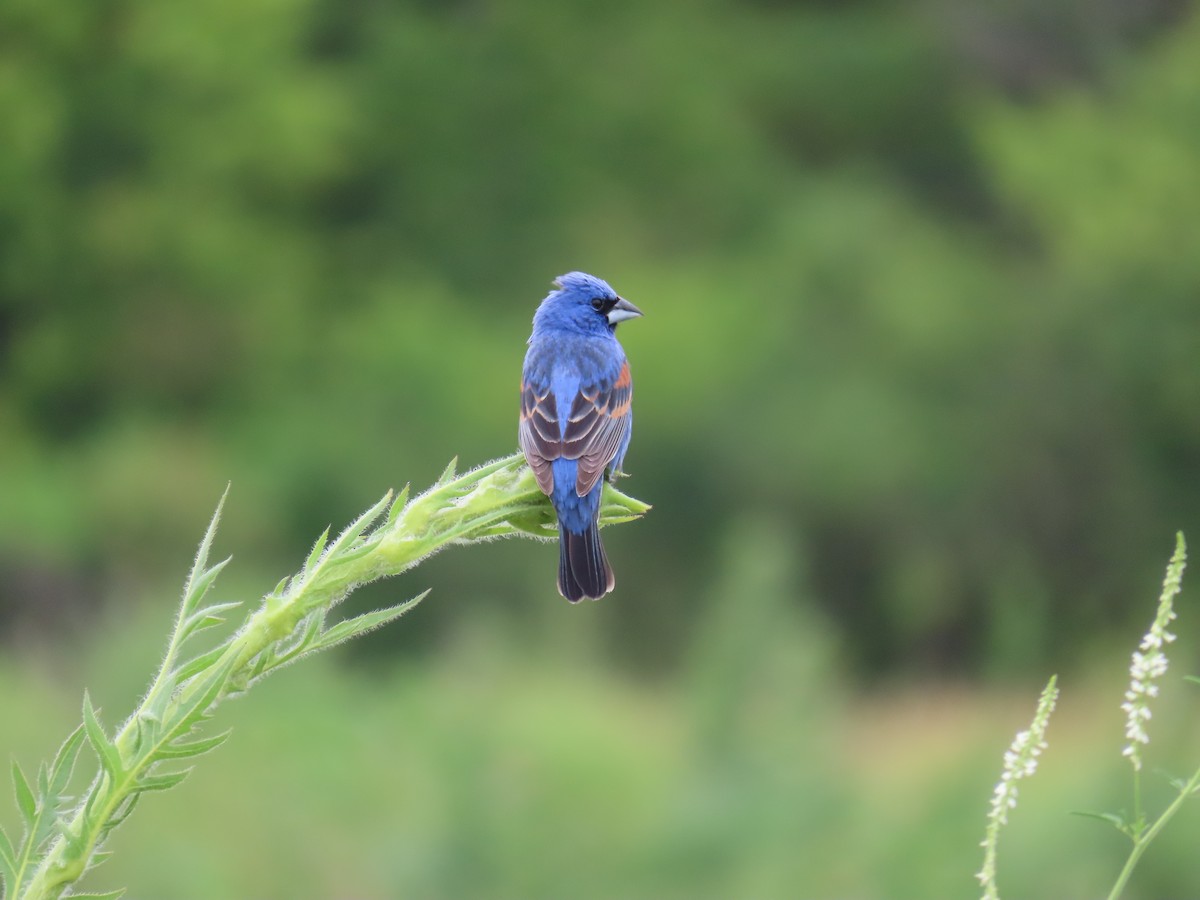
<point x="106" y="751"/>
<point x="359" y="625"/>
<point x="185" y="749"/>
<point x="108" y="895"/>
<point x="64" y="761"/>
<point x="447" y="474"/>
<point x="26" y="802"/>
<point x="160" y="782"/>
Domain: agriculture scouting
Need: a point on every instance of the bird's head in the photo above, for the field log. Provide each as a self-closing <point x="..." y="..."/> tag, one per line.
<point x="583" y="303"/>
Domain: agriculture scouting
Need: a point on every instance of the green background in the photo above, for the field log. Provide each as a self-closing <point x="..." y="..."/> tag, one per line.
<point x="915" y="398"/>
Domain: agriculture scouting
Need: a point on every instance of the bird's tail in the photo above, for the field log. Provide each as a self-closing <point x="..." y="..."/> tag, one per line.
<point x="583" y="569"/>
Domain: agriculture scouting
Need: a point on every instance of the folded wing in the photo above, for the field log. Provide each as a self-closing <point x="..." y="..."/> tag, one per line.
<point x="598" y="421"/>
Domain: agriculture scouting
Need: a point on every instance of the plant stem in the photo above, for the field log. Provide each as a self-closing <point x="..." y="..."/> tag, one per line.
<point x="495" y="500"/>
<point x="1139" y="818"/>
<point x="1142" y="841"/>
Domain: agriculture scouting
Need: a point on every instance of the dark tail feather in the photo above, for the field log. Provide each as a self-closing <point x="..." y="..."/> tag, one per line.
<point x="583" y="569"/>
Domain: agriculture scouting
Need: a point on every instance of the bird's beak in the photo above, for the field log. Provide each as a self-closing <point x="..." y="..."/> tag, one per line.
<point x="623" y="310"/>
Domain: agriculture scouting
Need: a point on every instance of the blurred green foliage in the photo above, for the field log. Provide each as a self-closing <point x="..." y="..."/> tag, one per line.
<point x="916" y="376"/>
<point x="949" y="336"/>
<point x="496" y="771"/>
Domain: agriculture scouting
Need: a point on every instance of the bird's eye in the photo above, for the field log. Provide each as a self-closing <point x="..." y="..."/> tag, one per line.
<point x="598" y="304"/>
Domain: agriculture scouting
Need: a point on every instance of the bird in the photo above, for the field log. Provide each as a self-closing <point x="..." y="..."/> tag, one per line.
<point x="576" y="419"/>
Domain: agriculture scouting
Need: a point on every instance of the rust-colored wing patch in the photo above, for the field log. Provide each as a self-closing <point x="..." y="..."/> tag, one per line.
<point x="538" y="433"/>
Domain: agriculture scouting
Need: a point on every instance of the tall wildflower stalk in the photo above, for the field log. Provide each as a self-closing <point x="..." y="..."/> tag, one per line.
<point x="1148" y="666"/>
<point x="62" y="841"/>
<point x="1020" y="761"/>
<point x="1146" y="670"/>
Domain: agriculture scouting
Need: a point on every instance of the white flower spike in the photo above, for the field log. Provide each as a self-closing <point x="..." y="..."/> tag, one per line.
<point x="1020" y="761"/>
<point x="1150" y="660"/>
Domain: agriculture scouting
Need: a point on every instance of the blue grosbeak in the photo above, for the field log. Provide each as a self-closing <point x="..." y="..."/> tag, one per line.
<point x="575" y="419"/>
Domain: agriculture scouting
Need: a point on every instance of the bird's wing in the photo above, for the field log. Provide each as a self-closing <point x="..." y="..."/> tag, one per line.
<point x="538" y="433"/>
<point x="597" y="424"/>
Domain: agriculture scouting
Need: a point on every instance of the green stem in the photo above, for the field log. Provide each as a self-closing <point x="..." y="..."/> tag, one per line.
<point x="1142" y="841"/>
<point x="1139" y="819"/>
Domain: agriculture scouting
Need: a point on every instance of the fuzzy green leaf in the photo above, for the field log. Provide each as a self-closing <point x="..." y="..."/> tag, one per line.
<point x="617" y="506"/>
<point x="187" y="715"/>
<point x="160" y="782"/>
<point x="184" y="749"/>
<point x="351" y="553"/>
<point x="108" y="895"/>
<point x="200" y="565"/>
<point x="123" y="812"/>
<point x="279" y="655"/>
<point x="398" y="505"/>
<point x="71" y="836"/>
<point x="448" y="473"/>
<point x="198" y="589"/>
<point x="355" y="529"/>
<point x="106" y="751"/>
<point x="539" y="524"/>
<point x="350" y="628"/>
<point x="64" y="761"/>
<point x="198" y="664"/>
<point x="8" y="861"/>
<point x="146" y="731"/>
<point x="205" y="618"/>
<point x="314" y="555"/>
<point x="155" y="705"/>
<point x="26" y="801"/>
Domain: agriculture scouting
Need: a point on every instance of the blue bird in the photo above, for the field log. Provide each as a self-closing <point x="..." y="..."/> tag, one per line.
<point x="575" y="418"/>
